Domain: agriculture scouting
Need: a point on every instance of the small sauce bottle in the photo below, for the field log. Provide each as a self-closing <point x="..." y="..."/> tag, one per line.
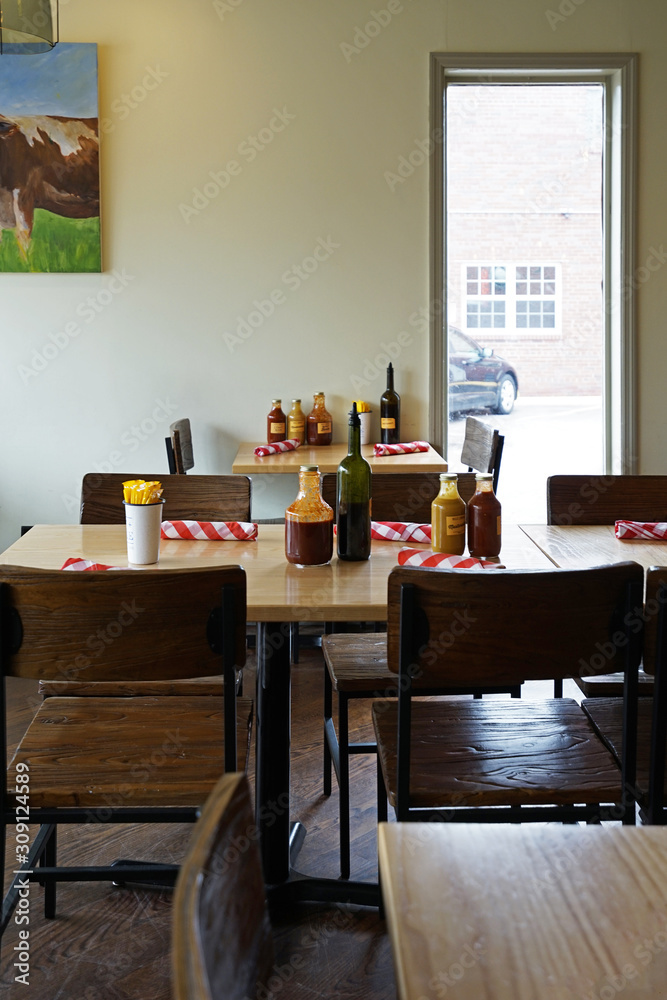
<point x="296" y="422"/>
<point x="484" y="518"/>
<point x="276" y="423"/>
<point x="309" y="523"/>
<point x="448" y="517"/>
<point x="318" y="423"/>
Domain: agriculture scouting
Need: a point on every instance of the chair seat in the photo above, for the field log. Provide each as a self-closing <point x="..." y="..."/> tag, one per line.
<point x="164" y="751"/>
<point x="606" y="714"/>
<point x="611" y="685"/>
<point x="189" y="687"/>
<point x="357" y="661"/>
<point x="461" y="754"/>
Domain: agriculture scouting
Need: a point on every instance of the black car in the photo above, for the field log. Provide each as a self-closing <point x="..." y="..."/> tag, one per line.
<point x="478" y="378"/>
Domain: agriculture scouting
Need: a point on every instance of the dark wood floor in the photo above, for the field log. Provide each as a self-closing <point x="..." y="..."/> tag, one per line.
<point x="113" y="944"/>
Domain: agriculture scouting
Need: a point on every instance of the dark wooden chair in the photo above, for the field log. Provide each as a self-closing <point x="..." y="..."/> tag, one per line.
<point x="221" y="942"/>
<point x="604" y="500"/>
<point x="179" y="447"/>
<point x="482" y="449"/>
<point x="606" y="714"/>
<point x="202" y="498"/>
<point x="119" y="760"/>
<point x="504" y="761"/>
<point x="355" y="664"/>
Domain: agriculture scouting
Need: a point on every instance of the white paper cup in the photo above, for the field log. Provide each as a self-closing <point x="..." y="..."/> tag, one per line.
<point x="142" y="521"/>
<point x="365" y="419"/>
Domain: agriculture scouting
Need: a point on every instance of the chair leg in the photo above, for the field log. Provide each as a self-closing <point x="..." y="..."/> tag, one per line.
<point x="294" y="642"/>
<point x="344" y="785"/>
<point x="328" y="710"/>
<point x="48" y="860"/>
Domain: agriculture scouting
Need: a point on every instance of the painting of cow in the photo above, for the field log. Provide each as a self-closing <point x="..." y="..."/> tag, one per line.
<point x="49" y="162"/>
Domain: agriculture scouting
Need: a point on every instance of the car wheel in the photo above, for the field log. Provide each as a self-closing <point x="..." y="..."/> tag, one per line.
<point x="506" y="395"/>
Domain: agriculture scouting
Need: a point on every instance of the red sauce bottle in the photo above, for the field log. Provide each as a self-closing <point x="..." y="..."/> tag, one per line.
<point x="276" y="423"/>
<point x="484" y="518"/>
<point x="318" y="424"/>
<point x="309" y="523"/>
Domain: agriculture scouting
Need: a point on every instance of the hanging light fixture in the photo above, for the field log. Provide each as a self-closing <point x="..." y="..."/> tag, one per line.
<point x="28" y="26"/>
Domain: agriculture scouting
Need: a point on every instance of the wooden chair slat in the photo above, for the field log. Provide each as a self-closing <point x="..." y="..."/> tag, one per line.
<point x="198" y="498"/>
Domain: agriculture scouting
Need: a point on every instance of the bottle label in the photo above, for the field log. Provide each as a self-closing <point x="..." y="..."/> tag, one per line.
<point x="455" y="525"/>
<point x="296" y="427"/>
<point x="277" y="428"/>
<point x="324" y="428"/>
<point x="388" y="423"/>
<point x="498" y="525"/>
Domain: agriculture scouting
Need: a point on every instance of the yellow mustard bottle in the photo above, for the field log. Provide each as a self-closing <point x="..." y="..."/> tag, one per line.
<point x="448" y="517"/>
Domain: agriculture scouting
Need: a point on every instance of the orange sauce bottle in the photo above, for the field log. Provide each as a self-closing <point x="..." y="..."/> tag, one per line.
<point x="484" y="528"/>
<point x="276" y="423"/>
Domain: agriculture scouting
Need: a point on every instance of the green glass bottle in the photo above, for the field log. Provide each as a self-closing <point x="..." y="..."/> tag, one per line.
<point x="353" y="507"/>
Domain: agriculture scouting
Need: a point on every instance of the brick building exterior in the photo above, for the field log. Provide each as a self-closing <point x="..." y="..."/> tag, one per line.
<point x="524" y="238"/>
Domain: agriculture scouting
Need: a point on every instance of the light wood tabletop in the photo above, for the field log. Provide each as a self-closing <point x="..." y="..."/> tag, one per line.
<point x="329" y="457"/>
<point x="576" y="545"/>
<point x="522" y="912"/>
<point x="277" y="590"/>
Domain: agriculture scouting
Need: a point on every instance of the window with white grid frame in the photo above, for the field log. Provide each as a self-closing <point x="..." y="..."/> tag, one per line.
<point x="486" y="296"/>
<point x="535" y="289"/>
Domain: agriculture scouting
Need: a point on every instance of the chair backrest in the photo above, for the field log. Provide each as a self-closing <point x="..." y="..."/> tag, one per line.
<point x="221" y="940"/>
<point x="179" y="447"/>
<point x="505" y="626"/>
<point x="482" y="448"/>
<point x="397" y="496"/>
<point x="605" y="499"/>
<point x="198" y="498"/>
<point x="122" y="625"/>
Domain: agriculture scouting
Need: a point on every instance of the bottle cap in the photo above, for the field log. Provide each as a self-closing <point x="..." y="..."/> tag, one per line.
<point x="296" y="400"/>
<point x="309" y="468"/>
<point x="446" y="476"/>
<point x="483" y="476"/>
<point x="354" y="416"/>
<point x="276" y="402"/>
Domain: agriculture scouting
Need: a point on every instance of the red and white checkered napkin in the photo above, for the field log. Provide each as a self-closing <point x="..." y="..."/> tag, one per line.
<point x="399" y="449"/>
<point x="277" y="447"/>
<point x="441" y="560"/>
<point x="209" y="531"/>
<point x="400" y="531"/>
<point x="656" y="530"/>
<point x="75" y="562"/>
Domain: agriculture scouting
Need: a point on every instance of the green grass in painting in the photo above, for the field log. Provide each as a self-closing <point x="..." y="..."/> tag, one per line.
<point x="58" y="244"/>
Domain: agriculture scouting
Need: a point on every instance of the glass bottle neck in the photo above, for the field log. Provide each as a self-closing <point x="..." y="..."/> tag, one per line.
<point x="309" y="485"/>
<point x="484" y="486"/>
<point x="354" y="440"/>
<point x="449" y="489"/>
<point x="390" y="379"/>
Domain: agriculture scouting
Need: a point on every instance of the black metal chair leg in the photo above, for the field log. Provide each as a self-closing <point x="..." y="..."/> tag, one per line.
<point x="344" y="785"/>
<point x="48" y="860"/>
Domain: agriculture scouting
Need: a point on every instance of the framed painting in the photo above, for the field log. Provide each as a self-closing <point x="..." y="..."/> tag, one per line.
<point x="49" y="161"/>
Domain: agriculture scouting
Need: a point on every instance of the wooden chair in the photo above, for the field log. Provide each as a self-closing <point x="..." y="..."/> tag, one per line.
<point x="119" y="760"/>
<point x="604" y="500"/>
<point x="202" y="498"/>
<point x="606" y="714"/>
<point x="355" y="664"/>
<point x="482" y="449"/>
<point x="179" y="447"/>
<point x="222" y="943"/>
<point x="504" y="761"/>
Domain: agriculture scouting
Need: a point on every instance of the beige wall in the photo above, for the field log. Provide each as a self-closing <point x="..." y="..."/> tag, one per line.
<point x="226" y="68"/>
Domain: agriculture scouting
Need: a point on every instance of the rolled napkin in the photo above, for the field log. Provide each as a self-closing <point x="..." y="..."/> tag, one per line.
<point x="209" y="531"/>
<point x="441" y="560"/>
<point x="77" y="563"/>
<point x="277" y="447"/>
<point x="400" y="531"/>
<point x="399" y="449"/>
<point x="641" y="529"/>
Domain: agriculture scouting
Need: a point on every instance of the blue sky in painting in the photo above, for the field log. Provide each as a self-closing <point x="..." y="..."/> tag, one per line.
<point x="60" y="82"/>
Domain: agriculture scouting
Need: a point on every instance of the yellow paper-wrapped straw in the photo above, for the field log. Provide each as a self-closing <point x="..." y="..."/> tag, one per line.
<point x="141" y="492"/>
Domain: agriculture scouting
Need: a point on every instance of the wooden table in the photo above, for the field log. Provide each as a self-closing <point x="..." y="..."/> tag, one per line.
<point x="277" y="593"/>
<point x="576" y="545"/>
<point x="521" y="912"/>
<point x="329" y="458"/>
